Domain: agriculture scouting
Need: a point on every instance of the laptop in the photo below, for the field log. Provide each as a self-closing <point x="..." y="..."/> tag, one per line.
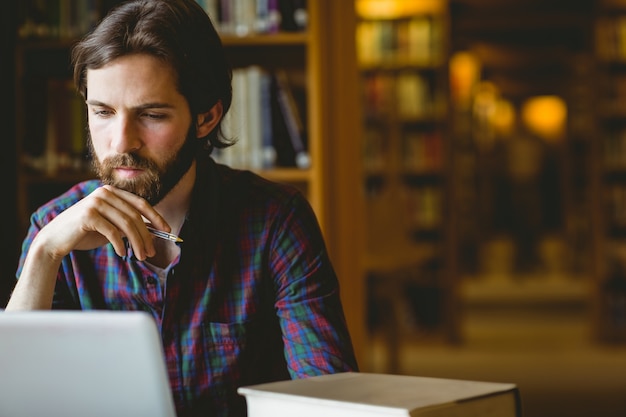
<point x="82" y="364"/>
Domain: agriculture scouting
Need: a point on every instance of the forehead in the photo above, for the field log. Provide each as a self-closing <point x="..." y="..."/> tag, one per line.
<point x="136" y="74"/>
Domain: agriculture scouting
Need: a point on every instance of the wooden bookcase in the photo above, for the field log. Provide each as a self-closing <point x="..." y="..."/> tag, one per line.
<point x="526" y="50"/>
<point x="403" y="65"/>
<point x="609" y="307"/>
<point x="8" y="164"/>
<point x="321" y="59"/>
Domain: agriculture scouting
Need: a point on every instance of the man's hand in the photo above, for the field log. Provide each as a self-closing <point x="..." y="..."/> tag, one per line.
<point x="106" y="215"/>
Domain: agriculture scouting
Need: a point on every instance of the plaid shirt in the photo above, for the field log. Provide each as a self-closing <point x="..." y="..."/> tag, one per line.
<point x="251" y="298"/>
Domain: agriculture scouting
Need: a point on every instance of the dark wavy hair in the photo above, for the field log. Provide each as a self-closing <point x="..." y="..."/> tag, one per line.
<point x="180" y="33"/>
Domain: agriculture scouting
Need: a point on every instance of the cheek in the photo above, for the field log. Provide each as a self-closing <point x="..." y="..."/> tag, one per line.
<point x="164" y="137"/>
<point x="97" y="137"/>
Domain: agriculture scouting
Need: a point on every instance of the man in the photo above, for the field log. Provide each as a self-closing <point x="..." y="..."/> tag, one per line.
<point x="250" y="294"/>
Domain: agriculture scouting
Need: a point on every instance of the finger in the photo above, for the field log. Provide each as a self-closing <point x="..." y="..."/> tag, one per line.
<point x="119" y="219"/>
<point x="142" y="206"/>
<point x="83" y="227"/>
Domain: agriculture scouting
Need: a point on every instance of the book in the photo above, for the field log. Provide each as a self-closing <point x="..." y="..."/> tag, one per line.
<point x="294" y="15"/>
<point x="245" y="121"/>
<point x="358" y="394"/>
<point x="255" y="121"/>
<point x="268" y="151"/>
<point x="296" y="131"/>
<point x="66" y="133"/>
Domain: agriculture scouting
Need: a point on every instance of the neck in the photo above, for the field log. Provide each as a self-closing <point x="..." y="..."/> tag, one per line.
<point x="175" y="205"/>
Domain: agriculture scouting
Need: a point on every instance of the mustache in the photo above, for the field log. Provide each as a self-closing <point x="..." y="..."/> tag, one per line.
<point x="129" y="160"/>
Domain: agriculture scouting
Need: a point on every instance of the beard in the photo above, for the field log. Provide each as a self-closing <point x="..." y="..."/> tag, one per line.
<point x="156" y="180"/>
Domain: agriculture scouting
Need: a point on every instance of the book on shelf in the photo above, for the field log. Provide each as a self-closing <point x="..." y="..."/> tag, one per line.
<point x="358" y="394"/>
<point x="66" y="134"/>
<point x="244" y="121"/>
<point x="56" y="139"/>
<point x="291" y="115"/>
<point x="265" y="121"/>
<point x="268" y="151"/>
<point x="249" y="17"/>
<point x="422" y="151"/>
<point x="62" y="19"/>
<point x="294" y="16"/>
<point x="416" y="40"/>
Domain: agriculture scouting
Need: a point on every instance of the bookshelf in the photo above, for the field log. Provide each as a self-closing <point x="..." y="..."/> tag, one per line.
<point x="403" y="57"/>
<point x="527" y="52"/>
<point x="610" y="154"/>
<point x="317" y="59"/>
<point x="8" y="164"/>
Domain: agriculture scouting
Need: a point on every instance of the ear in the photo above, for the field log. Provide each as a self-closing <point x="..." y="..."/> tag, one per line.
<point x="207" y="121"/>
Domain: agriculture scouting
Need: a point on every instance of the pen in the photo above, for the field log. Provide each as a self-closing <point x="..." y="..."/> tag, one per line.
<point x="164" y="235"/>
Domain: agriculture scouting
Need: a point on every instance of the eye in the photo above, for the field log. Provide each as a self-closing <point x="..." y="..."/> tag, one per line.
<point x="101" y="112"/>
<point x="154" y="116"/>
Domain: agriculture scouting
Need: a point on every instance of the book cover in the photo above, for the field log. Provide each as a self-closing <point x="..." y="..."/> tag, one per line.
<point x="255" y="121"/>
<point x="268" y="152"/>
<point x="354" y="394"/>
<point x="295" y="128"/>
<point x="66" y="132"/>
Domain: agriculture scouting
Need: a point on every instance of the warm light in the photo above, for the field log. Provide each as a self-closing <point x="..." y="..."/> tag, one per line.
<point x="484" y="109"/>
<point x="504" y="118"/>
<point x="465" y="69"/>
<point x="391" y="9"/>
<point x="545" y="116"/>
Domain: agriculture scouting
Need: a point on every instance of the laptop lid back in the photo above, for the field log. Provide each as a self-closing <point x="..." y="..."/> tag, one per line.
<point x="82" y="363"/>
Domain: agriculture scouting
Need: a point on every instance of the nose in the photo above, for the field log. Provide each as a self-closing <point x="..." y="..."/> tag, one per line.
<point x="126" y="137"/>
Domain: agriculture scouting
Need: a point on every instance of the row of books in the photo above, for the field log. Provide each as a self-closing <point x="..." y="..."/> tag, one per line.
<point x="612" y="90"/>
<point x="407" y="95"/>
<point x="615" y="200"/>
<point x="424" y="207"/>
<point x="67" y="19"/>
<point x="246" y="17"/>
<point x="63" y="19"/>
<point x="421" y="151"/>
<point x="615" y="150"/>
<point x="420" y="208"/>
<point x="611" y="38"/>
<point x="417" y="40"/>
<point x="267" y="119"/>
<point x="56" y="141"/>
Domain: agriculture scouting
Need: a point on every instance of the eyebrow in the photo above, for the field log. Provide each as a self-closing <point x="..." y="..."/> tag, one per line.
<point x="155" y="105"/>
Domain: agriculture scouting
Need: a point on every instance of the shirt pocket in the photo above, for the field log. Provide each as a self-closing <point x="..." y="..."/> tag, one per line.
<point x="224" y="348"/>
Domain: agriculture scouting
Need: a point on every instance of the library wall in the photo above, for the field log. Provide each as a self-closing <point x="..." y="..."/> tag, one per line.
<point x="8" y="253"/>
<point x="445" y="90"/>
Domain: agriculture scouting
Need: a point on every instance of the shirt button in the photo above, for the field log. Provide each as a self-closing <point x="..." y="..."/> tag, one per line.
<point x="151" y="280"/>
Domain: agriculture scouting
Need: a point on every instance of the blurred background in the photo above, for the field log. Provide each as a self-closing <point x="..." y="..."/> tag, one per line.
<point x="466" y="159"/>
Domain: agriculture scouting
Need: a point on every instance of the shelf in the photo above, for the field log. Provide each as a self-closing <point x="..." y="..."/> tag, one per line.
<point x="287" y="174"/>
<point x="509" y="291"/>
<point x="398" y="258"/>
<point x="404" y="75"/>
<point x="260" y="39"/>
<point x="389" y="65"/>
<point x="269" y="39"/>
